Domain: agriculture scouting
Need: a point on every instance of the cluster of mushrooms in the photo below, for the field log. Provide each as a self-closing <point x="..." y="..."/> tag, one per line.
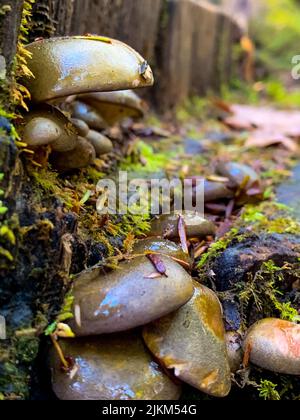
<point x="145" y="328"/>
<point x="75" y="96"/>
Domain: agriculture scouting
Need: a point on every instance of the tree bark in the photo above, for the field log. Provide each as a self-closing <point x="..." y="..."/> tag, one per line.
<point x="10" y="18"/>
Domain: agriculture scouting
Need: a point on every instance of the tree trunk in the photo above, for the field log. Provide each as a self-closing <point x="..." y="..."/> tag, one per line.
<point x="10" y="18"/>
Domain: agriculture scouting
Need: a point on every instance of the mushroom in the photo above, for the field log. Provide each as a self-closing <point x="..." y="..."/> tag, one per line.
<point x="166" y="225"/>
<point x="80" y="126"/>
<point x="80" y="157"/>
<point x="116" y="106"/>
<point x="88" y="114"/>
<point x="47" y="125"/>
<point x="80" y="64"/>
<point x="237" y="173"/>
<point x="102" y="144"/>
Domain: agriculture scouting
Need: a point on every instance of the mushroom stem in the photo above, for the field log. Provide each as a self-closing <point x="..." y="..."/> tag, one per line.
<point x="59" y="352"/>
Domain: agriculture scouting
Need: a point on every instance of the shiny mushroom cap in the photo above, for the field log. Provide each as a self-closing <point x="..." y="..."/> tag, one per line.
<point x="101" y="143"/>
<point x="81" y="64"/>
<point x="116" y="106"/>
<point x="45" y="125"/>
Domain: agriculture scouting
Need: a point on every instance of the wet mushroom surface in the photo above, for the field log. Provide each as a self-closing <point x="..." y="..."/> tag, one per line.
<point x="191" y="342"/>
<point x="131" y="296"/>
<point x="115" y="367"/>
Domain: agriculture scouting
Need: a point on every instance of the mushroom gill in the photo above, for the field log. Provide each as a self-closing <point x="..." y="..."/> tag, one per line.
<point x="116" y="106"/>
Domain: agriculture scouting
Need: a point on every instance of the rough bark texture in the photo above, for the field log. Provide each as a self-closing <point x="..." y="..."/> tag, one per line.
<point x="10" y="17"/>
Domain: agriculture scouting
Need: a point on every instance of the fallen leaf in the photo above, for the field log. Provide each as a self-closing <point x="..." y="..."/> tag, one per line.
<point x="183" y="264"/>
<point x="216" y="208"/>
<point x="224" y="106"/>
<point x="263" y="138"/>
<point x="224" y="228"/>
<point x="158" y="263"/>
<point x="239" y="123"/>
<point x="229" y="209"/>
<point x="273" y="126"/>
<point x="155" y="275"/>
<point x="217" y="178"/>
<point x="182" y="234"/>
<point x="200" y="251"/>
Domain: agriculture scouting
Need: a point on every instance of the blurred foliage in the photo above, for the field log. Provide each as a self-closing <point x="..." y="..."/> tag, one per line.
<point x="277" y="33"/>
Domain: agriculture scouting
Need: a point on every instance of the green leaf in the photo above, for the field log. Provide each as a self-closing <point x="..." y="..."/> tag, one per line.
<point x="86" y="197"/>
<point x="51" y="328"/>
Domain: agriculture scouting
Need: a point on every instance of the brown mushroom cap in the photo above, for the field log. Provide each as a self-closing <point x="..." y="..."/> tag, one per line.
<point x="191" y="341"/>
<point x="113" y="367"/>
<point x="166" y="225"/>
<point x="274" y="344"/>
<point x="102" y="144"/>
<point x="80" y="126"/>
<point x="80" y="157"/>
<point x="80" y="64"/>
<point x="115" y="106"/>
<point x="41" y="131"/>
<point x="47" y="125"/>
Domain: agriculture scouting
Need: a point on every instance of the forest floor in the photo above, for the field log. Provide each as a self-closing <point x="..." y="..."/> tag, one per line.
<point x="261" y="220"/>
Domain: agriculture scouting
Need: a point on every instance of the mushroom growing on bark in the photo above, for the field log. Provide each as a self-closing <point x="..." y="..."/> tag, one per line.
<point x="116" y="106"/>
<point x="80" y="157"/>
<point x="101" y="143"/>
<point x="80" y="64"/>
<point x="68" y="66"/>
<point x="44" y="125"/>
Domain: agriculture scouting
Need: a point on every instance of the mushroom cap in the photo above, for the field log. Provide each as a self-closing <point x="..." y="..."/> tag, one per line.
<point x="46" y="124"/>
<point x="101" y="143"/>
<point x="81" y="126"/>
<point x="80" y="157"/>
<point x="115" y="106"/>
<point x="80" y="64"/>
<point x="41" y="131"/>
<point x="88" y="114"/>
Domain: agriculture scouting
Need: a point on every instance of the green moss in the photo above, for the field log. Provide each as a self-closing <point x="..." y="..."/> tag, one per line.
<point x="267" y="390"/>
<point x="270" y="217"/>
<point x="66" y="311"/>
<point x="219" y="246"/>
<point x="152" y="161"/>
<point x="27" y="349"/>
<point x="13" y="380"/>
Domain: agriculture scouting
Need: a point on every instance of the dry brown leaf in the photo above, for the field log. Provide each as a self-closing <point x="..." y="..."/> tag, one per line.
<point x="155" y="275"/>
<point x="158" y="263"/>
<point x="266" y="138"/>
<point x="224" y="106"/>
<point x="182" y="234"/>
